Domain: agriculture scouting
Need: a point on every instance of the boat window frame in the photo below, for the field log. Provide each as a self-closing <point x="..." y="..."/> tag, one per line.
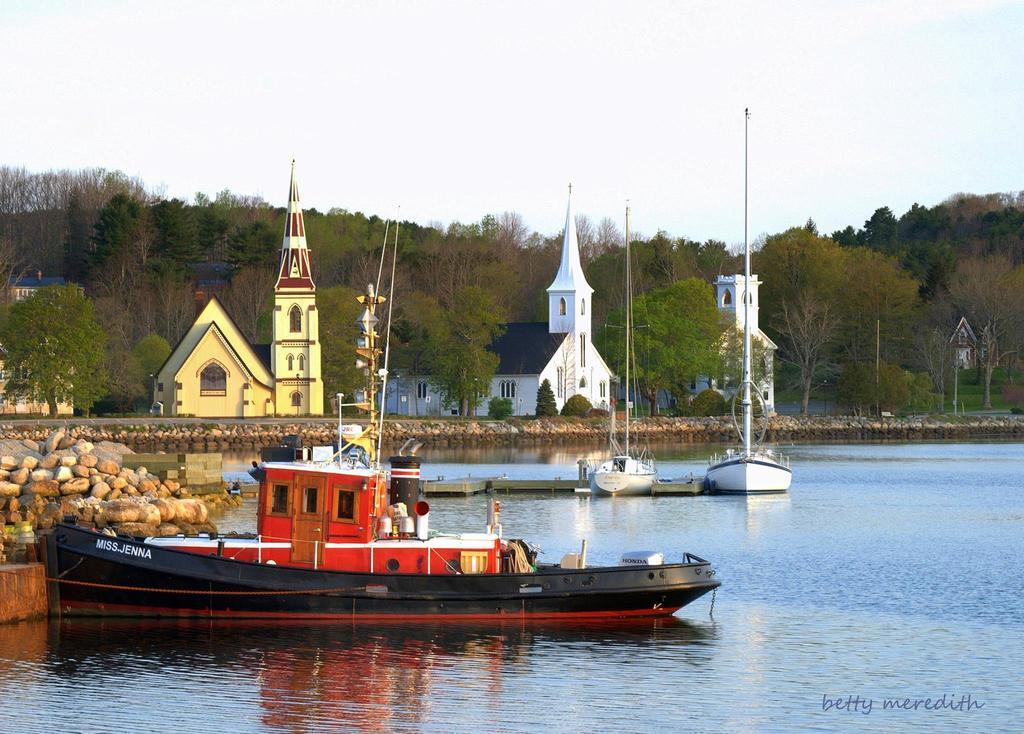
<point x="336" y="515"/>
<point x="286" y="490"/>
<point x="304" y="500"/>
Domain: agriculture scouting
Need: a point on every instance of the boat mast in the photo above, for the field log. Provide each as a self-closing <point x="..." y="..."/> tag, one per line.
<point x="746" y="295"/>
<point x="629" y="321"/>
<point x="368" y="354"/>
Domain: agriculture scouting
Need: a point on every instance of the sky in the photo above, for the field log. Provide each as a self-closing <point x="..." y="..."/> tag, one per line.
<point x="452" y="110"/>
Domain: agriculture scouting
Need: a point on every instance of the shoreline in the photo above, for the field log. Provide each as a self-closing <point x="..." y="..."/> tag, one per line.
<point x="199" y="436"/>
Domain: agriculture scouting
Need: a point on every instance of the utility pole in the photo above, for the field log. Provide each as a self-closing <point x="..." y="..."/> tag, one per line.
<point x="878" y="354"/>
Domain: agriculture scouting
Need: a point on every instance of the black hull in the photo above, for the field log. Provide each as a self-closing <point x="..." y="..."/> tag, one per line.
<point x="103" y="576"/>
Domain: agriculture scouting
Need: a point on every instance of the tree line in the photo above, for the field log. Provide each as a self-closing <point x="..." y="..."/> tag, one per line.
<point x="892" y="289"/>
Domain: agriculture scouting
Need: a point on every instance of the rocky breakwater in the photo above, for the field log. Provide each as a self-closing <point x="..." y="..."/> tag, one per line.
<point x="201" y="437"/>
<point x="41" y="483"/>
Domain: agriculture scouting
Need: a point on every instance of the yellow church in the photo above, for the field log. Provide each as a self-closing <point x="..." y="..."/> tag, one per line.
<point x="214" y="372"/>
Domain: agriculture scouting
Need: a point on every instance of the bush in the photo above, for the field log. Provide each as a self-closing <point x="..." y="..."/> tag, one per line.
<point x="499" y="408"/>
<point x="708" y="402"/>
<point x="1013" y="395"/>
<point x="577" y="406"/>
<point x="546" y="405"/>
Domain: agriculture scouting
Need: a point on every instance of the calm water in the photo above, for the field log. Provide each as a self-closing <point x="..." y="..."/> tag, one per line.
<point x="889" y="571"/>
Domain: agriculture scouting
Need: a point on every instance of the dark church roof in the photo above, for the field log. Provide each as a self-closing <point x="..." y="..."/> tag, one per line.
<point x="525" y="348"/>
<point x="263" y="352"/>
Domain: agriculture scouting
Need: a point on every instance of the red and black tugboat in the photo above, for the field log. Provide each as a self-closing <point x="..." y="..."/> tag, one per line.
<point x="345" y="538"/>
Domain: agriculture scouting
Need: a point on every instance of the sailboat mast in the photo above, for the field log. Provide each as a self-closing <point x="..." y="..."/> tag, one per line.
<point x="629" y="321"/>
<point x="746" y="294"/>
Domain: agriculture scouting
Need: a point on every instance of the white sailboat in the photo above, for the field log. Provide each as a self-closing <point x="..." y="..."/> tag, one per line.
<point x="625" y="473"/>
<point x="753" y="469"/>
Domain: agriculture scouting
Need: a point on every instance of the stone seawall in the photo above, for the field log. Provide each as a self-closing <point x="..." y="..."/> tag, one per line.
<point x="229" y="436"/>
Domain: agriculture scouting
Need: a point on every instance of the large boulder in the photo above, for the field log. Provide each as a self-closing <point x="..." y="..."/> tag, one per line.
<point x="100" y="490"/>
<point x="167" y="530"/>
<point x="8" y="463"/>
<point x="120" y="511"/>
<point x="30" y="445"/>
<point x="80" y="471"/>
<point x="168" y="509"/>
<point x="107" y="467"/>
<point x="38" y="475"/>
<point x="9" y="489"/>
<point x="45" y="488"/>
<point x="63" y="474"/>
<point x="49" y="461"/>
<point x="53" y="441"/>
<point x="75" y="486"/>
<point x="137" y="529"/>
<point x="29" y="462"/>
<point x="20" y="476"/>
<point x="88" y="460"/>
<point x="68" y="460"/>
<point x="191" y="511"/>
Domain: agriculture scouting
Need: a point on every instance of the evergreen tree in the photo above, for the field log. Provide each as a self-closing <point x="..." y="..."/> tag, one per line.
<point x="117" y="224"/>
<point x="177" y="235"/>
<point x="546" y="405"/>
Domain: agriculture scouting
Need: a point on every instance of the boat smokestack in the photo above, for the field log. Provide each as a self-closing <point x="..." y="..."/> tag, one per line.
<point x="405" y="481"/>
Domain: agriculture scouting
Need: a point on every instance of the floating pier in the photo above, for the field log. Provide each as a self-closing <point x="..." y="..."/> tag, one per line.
<point x="468" y="486"/>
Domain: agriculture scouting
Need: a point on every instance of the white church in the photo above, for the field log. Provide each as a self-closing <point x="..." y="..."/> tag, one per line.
<point x="559" y="350"/>
<point x="730" y="290"/>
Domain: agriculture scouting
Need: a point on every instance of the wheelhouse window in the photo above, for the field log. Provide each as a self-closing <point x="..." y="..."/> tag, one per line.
<point x="213" y="380"/>
<point x="311" y="500"/>
<point x="279" y="499"/>
<point x="295" y="320"/>
<point x="346" y="505"/>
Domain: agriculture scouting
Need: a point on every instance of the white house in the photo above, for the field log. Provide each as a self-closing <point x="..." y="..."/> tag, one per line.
<point x="559" y="351"/>
<point x="729" y="292"/>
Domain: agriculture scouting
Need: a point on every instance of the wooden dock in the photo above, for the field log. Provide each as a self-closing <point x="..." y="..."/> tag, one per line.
<point x="469" y="486"/>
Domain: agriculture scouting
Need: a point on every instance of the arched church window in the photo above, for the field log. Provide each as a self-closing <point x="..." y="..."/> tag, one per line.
<point x="583" y="383"/>
<point x="583" y="307"/>
<point x="213" y="380"/>
<point x="302" y="362"/>
<point x="295" y="320"/>
<point x="296" y="399"/>
<point x="583" y="350"/>
<point x="727" y="298"/>
<point x="561" y="307"/>
<point x="291" y="363"/>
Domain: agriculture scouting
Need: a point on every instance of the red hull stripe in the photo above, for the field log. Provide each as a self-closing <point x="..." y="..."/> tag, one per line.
<point x="133" y="610"/>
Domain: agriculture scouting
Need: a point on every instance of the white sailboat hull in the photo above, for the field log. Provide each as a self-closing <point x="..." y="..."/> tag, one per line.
<point x="755" y="473"/>
<point x="623" y="477"/>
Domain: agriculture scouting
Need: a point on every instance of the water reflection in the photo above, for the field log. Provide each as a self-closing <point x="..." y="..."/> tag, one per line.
<point x="326" y="676"/>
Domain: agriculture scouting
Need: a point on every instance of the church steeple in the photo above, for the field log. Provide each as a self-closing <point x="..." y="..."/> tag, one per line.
<point x="294" y="272"/>
<point x="295" y="353"/>
<point x="569" y="293"/>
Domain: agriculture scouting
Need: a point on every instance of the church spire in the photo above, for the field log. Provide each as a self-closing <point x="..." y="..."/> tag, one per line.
<point x="570" y="272"/>
<point x="294" y="272"/>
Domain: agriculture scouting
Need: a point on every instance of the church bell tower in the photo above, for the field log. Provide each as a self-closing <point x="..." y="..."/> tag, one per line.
<point x="295" y="352"/>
